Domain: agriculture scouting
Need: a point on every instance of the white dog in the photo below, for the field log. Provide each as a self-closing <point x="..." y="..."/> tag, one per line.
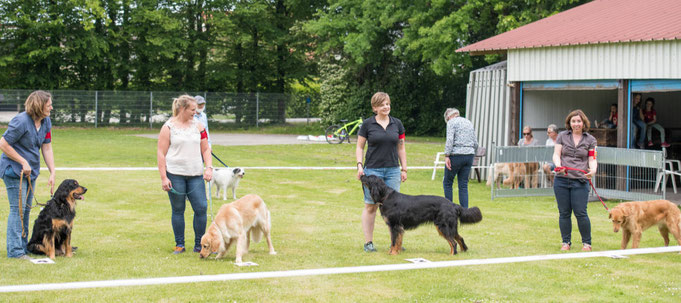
<point x="224" y="178"/>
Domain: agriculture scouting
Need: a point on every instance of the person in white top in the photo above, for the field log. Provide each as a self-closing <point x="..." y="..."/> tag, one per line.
<point x="182" y="153"/>
<point x="552" y="132"/>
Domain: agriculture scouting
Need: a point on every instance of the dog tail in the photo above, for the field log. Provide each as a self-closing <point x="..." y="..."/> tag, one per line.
<point x="470" y="215"/>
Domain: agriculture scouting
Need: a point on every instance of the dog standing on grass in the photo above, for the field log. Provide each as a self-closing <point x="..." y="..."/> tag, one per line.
<point x="224" y="178"/>
<point x="236" y="223"/>
<point x="52" y="229"/>
<point x="635" y="217"/>
<point x="402" y="212"/>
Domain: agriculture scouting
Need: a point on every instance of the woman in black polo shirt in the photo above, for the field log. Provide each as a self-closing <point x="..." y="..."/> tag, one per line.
<point x="384" y="136"/>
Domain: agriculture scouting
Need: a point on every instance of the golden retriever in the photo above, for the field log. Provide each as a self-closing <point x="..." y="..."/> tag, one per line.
<point x="236" y="222"/>
<point x="635" y="217"/>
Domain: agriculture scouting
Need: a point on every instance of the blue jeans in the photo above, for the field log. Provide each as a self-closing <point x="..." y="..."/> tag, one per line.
<point x="392" y="176"/>
<point x="638" y="132"/>
<point x="191" y="187"/>
<point x="461" y="165"/>
<point x="16" y="244"/>
<point x="572" y="195"/>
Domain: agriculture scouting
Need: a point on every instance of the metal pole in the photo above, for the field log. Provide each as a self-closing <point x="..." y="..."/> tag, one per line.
<point x="96" y="112"/>
<point x="151" y="107"/>
<point x="257" y="109"/>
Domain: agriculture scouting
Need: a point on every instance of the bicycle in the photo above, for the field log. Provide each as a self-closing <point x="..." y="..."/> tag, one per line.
<point x="339" y="133"/>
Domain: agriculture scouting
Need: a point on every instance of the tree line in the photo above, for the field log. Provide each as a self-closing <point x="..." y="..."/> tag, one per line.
<point x="339" y="52"/>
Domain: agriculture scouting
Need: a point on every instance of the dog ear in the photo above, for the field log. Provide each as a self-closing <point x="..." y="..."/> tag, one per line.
<point x="236" y="171"/>
<point x="610" y="214"/>
<point x="214" y="243"/>
<point x="62" y="191"/>
<point x="376" y="190"/>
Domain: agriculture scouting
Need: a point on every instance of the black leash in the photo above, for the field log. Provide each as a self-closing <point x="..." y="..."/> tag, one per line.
<point x="216" y="157"/>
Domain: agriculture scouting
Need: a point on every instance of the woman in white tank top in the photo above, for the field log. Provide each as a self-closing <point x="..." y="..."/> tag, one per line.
<point x="182" y="153"/>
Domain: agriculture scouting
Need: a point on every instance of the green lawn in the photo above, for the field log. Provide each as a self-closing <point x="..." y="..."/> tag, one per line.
<point x="123" y="231"/>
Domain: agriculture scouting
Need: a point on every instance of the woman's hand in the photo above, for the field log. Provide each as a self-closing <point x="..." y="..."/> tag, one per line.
<point x="403" y="175"/>
<point x="360" y="171"/>
<point x="165" y="184"/>
<point x="590" y="173"/>
<point x="25" y="168"/>
<point x="50" y="182"/>
<point x="448" y="163"/>
<point x="208" y="174"/>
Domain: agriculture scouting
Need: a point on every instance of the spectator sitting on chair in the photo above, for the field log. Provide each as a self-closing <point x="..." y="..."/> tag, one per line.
<point x="650" y="117"/>
<point x="637" y="119"/>
<point x="611" y="122"/>
<point x="528" y="138"/>
<point x="552" y="132"/>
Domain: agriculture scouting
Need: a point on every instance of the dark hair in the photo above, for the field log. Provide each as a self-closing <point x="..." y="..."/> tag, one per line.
<point x="614" y="104"/>
<point x="580" y="113"/>
<point x="651" y="99"/>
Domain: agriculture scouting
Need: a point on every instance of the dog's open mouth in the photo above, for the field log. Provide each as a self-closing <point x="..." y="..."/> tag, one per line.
<point x="78" y="197"/>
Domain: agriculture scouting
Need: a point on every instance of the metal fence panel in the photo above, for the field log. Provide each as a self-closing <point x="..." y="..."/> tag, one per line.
<point x="626" y="174"/>
<point x="144" y="108"/>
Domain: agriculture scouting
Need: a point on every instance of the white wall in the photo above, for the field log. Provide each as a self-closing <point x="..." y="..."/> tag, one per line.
<point x="634" y="60"/>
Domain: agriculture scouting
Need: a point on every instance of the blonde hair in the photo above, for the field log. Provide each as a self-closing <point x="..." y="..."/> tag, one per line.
<point x="35" y="104"/>
<point x="181" y="103"/>
<point x="450" y="112"/>
<point x="580" y="113"/>
<point x="378" y="98"/>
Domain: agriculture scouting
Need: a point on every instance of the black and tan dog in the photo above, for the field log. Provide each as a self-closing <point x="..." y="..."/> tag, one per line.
<point x="402" y="212"/>
<point x="52" y="229"/>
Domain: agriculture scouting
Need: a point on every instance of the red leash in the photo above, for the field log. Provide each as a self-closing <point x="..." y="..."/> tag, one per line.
<point x="591" y="183"/>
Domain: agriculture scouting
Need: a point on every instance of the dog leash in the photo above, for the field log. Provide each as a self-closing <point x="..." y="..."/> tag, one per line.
<point x="21" y="208"/>
<point x="216" y="157"/>
<point x="591" y="183"/>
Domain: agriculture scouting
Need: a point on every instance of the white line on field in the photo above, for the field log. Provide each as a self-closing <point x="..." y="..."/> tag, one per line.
<point x="328" y="271"/>
<point x="244" y="167"/>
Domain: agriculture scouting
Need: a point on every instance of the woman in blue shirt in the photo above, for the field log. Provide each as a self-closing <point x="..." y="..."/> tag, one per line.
<point x="27" y="134"/>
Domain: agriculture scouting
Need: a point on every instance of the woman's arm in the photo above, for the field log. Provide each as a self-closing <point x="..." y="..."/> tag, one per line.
<point x="402" y="154"/>
<point x="593" y="164"/>
<point x="359" y="155"/>
<point x="48" y="155"/>
<point x="14" y="155"/>
<point x="557" y="150"/>
<point x="161" y="151"/>
<point x="207" y="155"/>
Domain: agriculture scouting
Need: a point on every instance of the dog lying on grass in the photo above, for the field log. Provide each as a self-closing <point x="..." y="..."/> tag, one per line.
<point x="402" y="212"/>
<point x="52" y="229"/>
<point x="635" y="217"/>
<point x="236" y="223"/>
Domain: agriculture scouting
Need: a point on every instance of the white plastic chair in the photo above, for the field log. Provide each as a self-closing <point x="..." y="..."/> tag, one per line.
<point x="668" y="171"/>
<point x="436" y="163"/>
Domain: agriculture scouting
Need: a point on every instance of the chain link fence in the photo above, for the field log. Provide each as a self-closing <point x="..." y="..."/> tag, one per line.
<point x="149" y="109"/>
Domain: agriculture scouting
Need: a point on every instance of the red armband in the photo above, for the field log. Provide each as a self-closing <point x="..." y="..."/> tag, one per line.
<point x="402" y="136"/>
<point x="592" y="153"/>
<point x="48" y="135"/>
<point x="204" y="135"/>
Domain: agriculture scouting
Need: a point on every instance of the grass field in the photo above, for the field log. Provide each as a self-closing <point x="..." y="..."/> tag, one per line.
<point x="123" y="231"/>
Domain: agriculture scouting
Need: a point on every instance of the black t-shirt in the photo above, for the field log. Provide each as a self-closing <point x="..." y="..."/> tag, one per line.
<point x="382" y="143"/>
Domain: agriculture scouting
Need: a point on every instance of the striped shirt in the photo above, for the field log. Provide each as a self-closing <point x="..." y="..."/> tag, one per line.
<point x="461" y="138"/>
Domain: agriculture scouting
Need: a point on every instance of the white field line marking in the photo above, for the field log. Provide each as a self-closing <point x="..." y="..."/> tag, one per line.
<point x="328" y="271"/>
<point x="244" y="167"/>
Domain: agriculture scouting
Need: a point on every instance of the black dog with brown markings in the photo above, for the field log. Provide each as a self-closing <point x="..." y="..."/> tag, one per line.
<point x="52" y="229"/>
<point x="402" y="212"/>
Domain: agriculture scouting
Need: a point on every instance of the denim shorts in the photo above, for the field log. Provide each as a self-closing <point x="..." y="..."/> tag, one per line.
<point x="392" y="176"/>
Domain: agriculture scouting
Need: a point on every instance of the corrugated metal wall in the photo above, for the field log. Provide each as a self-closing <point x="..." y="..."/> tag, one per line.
<point x="635" y="60"/>
<point x="488" y="106"/>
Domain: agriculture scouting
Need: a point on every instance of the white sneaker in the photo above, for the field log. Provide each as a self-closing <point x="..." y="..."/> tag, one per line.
<point x="25" y="257"/>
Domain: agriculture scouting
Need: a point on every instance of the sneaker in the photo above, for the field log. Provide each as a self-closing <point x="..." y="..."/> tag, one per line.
<point x="565" y="246"/>
<point x="369" y="247"/>
<point x="74" y="248"/>
<point x="665" y="144"/>
<point x="25" y="257"/>
<point x="197" y="249"/>
<point x="640" y="145"/>
<point x="586" y="247"/>
<point x="178" y="250"/>
<point x="650" y="143"/>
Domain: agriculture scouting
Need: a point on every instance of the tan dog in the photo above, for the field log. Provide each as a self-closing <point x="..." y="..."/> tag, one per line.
<point x="635" y="217"/>
<point x="236" y="222"/>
